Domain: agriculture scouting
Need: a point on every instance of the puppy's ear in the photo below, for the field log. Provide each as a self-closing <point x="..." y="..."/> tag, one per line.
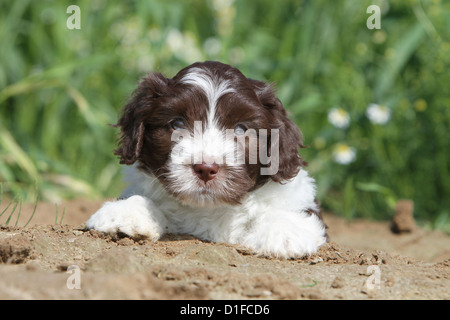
<point x="290" y="136"/>
<point x="134" y="113"/>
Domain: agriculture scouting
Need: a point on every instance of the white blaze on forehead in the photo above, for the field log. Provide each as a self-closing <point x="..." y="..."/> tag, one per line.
<point x="213" y="88"/>
<point x="210" y="145"/>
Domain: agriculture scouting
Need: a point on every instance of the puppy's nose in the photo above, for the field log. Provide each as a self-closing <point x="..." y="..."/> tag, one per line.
<point x="206" y="171"/>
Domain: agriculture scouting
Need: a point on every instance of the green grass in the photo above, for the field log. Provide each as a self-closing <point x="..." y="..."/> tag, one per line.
<point x="60" y="89"/>
<point x="18" y="202"/>
<point x="9" y="211"/>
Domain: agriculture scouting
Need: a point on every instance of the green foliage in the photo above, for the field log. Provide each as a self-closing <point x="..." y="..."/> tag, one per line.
<point x="61" y="88"/>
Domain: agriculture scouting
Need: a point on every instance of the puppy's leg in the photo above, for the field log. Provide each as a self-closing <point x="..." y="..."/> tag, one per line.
<point x="135" y="216"/>
<point x="286" y="234"/>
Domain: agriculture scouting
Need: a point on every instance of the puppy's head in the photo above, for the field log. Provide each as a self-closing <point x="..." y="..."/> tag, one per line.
<point x="209" y="134"/>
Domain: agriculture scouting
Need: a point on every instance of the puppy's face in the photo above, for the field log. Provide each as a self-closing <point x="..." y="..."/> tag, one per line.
<point x="210" y="135"/>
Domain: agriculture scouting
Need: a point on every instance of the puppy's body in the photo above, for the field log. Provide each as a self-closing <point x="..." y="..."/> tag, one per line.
<point x="191" y="185"/>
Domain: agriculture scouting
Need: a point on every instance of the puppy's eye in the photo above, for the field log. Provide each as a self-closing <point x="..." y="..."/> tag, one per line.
<point x="177" y="124"/>
<point x="239" y="130"/>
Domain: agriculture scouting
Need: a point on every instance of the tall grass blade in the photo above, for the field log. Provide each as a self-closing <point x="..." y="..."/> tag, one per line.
<point x="12" y="212"/>
<point x="18" y="215"/>
<point x="7" y="207"/>
<point x="62" y="217"/>
<point x="9" y="144"/>
<point x="403" y="51"/>
<point x="32" y="214"/>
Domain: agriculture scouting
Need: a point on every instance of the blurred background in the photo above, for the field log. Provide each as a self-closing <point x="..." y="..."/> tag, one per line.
<point x="373" y="104"/>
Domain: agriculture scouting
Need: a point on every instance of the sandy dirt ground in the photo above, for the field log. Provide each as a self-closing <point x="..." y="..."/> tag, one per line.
<point x="363" y="260"/>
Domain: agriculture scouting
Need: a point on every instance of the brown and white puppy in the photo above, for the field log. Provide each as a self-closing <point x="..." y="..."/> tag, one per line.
<point x="213" y="154"/>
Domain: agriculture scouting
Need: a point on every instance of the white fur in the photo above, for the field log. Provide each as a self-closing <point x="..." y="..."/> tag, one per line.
<point x="212" y="88"/>
<point x="271" y="220"/>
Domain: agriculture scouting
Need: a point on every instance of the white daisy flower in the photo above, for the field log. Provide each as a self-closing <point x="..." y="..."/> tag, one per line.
<point x="344" y="154"/>
<point x="378" y="114"/>
<point x="339" y="118"/>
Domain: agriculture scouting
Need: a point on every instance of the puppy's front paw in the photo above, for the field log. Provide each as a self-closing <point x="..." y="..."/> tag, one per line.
<point x="288" y="237"/>
<point x="133" y="216"/>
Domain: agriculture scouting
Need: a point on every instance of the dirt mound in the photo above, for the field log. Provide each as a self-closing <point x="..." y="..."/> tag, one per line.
<point x="364" y="260"/>
<point x="15" y="247"/>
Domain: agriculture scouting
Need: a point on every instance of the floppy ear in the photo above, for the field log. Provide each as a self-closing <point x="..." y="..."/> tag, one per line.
<point x="132" y="120"/>
<point x="290" y="136"/>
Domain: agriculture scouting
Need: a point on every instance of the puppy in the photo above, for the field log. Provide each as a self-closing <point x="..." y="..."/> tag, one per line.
<point x="213" y="154"/>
